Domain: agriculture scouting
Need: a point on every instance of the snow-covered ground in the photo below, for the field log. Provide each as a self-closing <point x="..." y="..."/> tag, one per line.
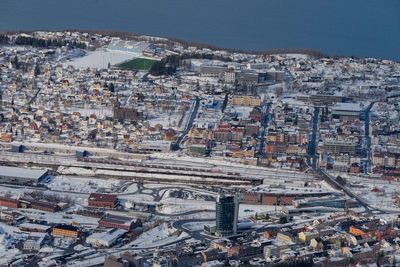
<point x="8" y="229"/>
<point x="129" y="200"/>
<point x="7" y="253"/>
<point x="133" y="175"/>
<point x="166" y="120"/>
<point x="195" y="226"/>
<point x="100" y="59"/>
<point x="131" y="189"/>
<point x="82" y="184"/>
<point x="242" y="111"/>
<point x="59" y="218"/>
<point x="180" y="206"/>
<point x="378" y="193"/>
<point x="158" y="236"/>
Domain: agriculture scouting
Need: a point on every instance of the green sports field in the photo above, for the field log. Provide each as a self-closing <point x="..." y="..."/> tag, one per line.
<point x="137" y="64"/>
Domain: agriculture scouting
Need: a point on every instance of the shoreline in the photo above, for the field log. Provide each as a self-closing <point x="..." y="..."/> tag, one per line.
<point x="169" y="40"/>
<point x="185" y="43"/>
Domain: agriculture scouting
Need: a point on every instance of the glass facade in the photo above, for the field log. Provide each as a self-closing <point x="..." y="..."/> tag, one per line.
<point x="226" y="215"/>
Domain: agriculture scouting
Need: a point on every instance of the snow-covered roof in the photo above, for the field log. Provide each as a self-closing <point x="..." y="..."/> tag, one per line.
<point x="21" y="173"/>
<point x="347" y="107"/>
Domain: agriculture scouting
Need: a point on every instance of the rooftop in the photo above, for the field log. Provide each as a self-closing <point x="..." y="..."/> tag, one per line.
<point x="347" y="107"/>
<point x="21" y="173"/>
<point x="102" y="197"/>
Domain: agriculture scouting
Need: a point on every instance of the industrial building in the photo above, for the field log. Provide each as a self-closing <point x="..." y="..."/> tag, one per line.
<point x="9" y="202"/>
<point x="14" y="175"/>
<point x="120" y="222"/>
<point x="325" y="99"/>
<point x="105" y="239"/>
<point x="281" y="196"/>
<point x="102" y="200"/>
<point x="155" y="146"/>
<point x="34" y="241"/>
<point x="34" y="227"/>
<point x="346" y="111"/>
<point x="326" y="201"/>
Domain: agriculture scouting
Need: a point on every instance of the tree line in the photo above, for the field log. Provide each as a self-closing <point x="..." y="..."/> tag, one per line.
<point x="39" y="42"/>
<point x="4" y="39"/>
<point x="170" y="63"/>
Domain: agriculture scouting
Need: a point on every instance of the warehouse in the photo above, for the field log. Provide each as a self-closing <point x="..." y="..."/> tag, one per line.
<point x="155" y="146"/>
<point x="120" y="222"/>
<point x="102" y="200"/>
<point x="9" y="202"/>
<point x="14" y="175"/>
<point x="346" y="111"/>
<point x="105" y="239"/>
<point x="280" y="195"/>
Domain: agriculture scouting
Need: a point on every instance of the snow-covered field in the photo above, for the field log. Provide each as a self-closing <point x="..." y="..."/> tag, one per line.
<point x="127" y="175"/>
<point x="166" y="120"/>
<point x="100" y="59"/>
<point x="195" y="226"/>
<point x="131" y="189"/>
<point x="129" y="200"/>
<point x="7" y="235"/>
<point x="379" y="193"/>
<point x="82" y="184"/>
<point x="158" y="236"/>
<point x="180" y="206"/>
<point x="59" y="218"/>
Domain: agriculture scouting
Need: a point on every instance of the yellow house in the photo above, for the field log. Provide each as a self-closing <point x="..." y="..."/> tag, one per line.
<point x="271" y="138"/>
<point x="243" y="154"/>
<point x="251" y="101"/>
<point x="304" y="237"/>
<point x="66" y="231"/>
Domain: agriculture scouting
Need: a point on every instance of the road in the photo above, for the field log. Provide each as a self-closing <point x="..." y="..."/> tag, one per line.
<point x="312" y="145"/>
<point x="331" y="180"/>
<point x="264" y="124"/>
<point x="326" y="176"/>
<point x="366" y="160"/>
<point x="194" y="234"/>
<point x="189" y="124"/>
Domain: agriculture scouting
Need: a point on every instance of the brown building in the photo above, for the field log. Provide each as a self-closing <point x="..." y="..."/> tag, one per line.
<point x="121" y="222"/>
<point x="9" y="202"/>
<point x="252" y="198"/>
<point x="102" y="200"/>
<point x="281" y="197"/>
<point x="256" y="114"/>
<point x="112" y="261"/>
<point x="251" y="129"/>
<point x="44" y="206"/>
<point x="33" y="227"/>
<point x="129" y="114"/>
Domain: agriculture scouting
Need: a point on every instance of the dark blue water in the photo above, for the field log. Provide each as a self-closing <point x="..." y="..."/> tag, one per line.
<point x="369" y="28"/>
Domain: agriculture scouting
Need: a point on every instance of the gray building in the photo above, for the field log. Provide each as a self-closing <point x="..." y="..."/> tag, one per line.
<point x="158" y="261"/>
<point x="14" y="175"/>
<point x="34" y="241"/>
<point x="337" y="147"/>
<point x="348" y="111"/>
<point x="227" y="209"/>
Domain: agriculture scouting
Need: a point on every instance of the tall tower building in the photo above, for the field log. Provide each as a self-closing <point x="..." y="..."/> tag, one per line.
<point x="227" y="209"/>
